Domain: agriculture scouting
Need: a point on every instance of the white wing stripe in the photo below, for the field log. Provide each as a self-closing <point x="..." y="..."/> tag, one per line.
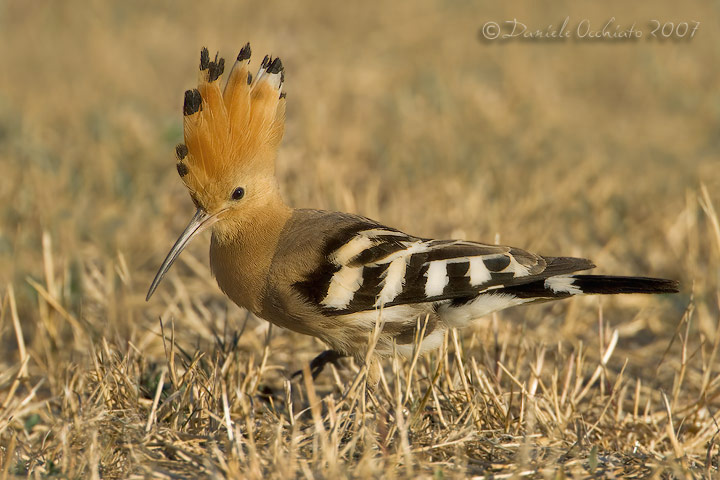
<point x="393" y="282"/>
<point x="351" y="249"/>
<point x="516" y="268"/>
<point x="479" y="273"/>
<point x="437" y="278"/>
<point x="343" y="286"/>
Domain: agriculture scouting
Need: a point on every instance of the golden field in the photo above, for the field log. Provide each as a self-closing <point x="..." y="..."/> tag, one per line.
<point x="608" y="150"/>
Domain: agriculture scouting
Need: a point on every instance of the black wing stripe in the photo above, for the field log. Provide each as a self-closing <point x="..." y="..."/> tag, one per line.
<point x="446" y="252"/>
<point x="497" y="263"/>
<point x="379" y="251"/>
<point x="415" y="277"/>
<point x="316" y="286"/>
<point x="458" y="278"/>
<point x="366" y="296"/>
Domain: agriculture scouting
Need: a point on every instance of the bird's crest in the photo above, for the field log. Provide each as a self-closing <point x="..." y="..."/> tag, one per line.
<point x="241" y="125"/>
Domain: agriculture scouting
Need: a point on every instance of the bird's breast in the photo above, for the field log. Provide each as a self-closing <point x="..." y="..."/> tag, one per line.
<point x="239" y="275"/>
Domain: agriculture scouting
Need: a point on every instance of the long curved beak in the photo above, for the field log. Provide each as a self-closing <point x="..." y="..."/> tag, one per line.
<point x="199" y="222"/>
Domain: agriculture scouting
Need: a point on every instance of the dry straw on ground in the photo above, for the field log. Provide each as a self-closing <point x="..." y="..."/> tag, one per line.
<point x="604" y="150"/>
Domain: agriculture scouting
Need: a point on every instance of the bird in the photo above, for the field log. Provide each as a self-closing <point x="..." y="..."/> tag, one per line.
<point x="342" y="278"/>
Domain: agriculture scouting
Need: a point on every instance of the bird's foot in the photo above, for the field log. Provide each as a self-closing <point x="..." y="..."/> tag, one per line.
<point x="318" y="363"/>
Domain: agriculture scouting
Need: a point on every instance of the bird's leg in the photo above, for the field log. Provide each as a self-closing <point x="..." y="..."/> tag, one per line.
<point x="318" y="363"/>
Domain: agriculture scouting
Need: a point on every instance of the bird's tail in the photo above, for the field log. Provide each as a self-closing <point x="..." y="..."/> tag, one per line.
<point x="607" y="284"/>
<point x="562" y="286"/>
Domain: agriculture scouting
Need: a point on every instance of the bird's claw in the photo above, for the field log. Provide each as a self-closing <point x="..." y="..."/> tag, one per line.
<point x="317" y="364"/>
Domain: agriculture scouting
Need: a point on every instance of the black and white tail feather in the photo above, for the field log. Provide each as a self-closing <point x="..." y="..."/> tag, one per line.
<point x="369" y="266"/>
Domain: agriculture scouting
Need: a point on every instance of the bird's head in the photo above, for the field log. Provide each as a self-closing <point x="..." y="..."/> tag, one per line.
<point x="231" y="137"/>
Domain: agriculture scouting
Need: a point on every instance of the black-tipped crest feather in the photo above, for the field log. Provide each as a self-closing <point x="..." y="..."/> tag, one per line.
<point x="182" y="169"/>
<point x="276" y="66"/>
<point x="216" y="69"/>
<point x="181" y="151"/>
<point x="204" y="59"/>
<point x="193" y="102"/>
<point x="245" y="53"/>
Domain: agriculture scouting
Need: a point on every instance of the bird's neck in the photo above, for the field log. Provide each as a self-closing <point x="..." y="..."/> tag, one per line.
<point x="240" y="259"/>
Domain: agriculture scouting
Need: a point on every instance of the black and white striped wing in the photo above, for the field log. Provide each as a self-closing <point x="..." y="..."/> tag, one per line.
<point x="371" y="266"/>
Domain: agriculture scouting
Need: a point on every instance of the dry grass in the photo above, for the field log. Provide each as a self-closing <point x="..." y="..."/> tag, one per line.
<point x="399" y="113"/>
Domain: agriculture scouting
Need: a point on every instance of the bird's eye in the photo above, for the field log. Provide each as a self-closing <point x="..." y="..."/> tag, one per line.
<point x="238" y="193"/>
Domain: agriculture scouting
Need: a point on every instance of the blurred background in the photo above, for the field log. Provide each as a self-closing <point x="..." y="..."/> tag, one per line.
<point x="397" y="111"/>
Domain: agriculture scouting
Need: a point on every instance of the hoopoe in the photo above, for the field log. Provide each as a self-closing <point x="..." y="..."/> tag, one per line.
<point x="338" y="276"/>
